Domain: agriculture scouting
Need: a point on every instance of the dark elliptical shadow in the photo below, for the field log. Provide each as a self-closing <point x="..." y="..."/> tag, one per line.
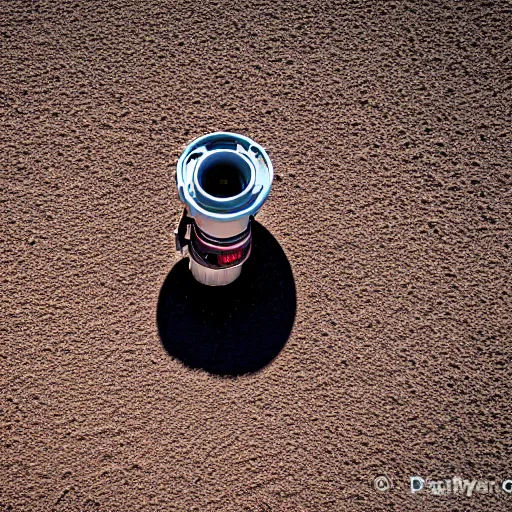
<point x="233" y="329"/>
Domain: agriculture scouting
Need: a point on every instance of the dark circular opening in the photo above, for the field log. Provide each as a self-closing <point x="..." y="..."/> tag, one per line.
<point x="224" y="174"/>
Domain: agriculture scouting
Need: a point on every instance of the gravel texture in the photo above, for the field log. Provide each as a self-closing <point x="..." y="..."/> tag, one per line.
<point x="375" y="315"/>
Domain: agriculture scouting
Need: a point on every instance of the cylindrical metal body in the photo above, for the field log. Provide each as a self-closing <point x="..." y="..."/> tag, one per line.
<point x="223" y="178"/>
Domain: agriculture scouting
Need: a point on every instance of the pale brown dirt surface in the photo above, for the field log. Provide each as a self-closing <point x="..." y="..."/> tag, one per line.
<point x="388" y="124"/>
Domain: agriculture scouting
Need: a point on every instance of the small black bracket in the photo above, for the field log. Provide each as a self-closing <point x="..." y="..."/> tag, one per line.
<point x="182" y="232"/>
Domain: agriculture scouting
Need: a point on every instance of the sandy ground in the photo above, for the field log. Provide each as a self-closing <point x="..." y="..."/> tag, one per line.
<point x="375" y="316"/>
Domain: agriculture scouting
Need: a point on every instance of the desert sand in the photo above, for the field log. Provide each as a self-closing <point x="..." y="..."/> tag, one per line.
<point x="370" y="332"/>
